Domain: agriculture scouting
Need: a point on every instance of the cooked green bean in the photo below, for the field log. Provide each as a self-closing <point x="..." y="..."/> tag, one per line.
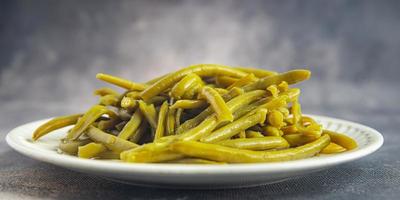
<point x="253" y="134"/>
<point x="195" y="161"/>
<point x="225" y="81"/>
<point x="86" y="120"/>
<point x="232" y="155"/>
<point x="178" y="115"/>
<point x="204" y="128"/>
<point x="159" y="155"/>
<point x="257" y="144"/>
<point x="109" y="100"/>
<point x="235" y="127"/>
<point x="260" y="73"/>
<point x="105" y="91"/>
<point x="217" y="104"/>
<point x="71" y="147"/>
<point x="183" y="85"/>
<point x="188" y="104"/>
<point x="297" y="139"/>
<point x="140" y="132"/>
<point x="128" y="103"/>
<point x="54" y="124"/>
<point x="162" y="116"/>
<point x="250" y="78"/>
<point x="110" y="141"/>
<point x="170" y="122"/>
<point x="201" y="70"/>
<point x="129" y="85"/>
<point x="333" y="148"/>
<point x="131" y="127"/>
<point x="149" y="112"/>
<point x="91" y="150"/>
<point x="341" y="139"/>
<point x="291" y="77"/>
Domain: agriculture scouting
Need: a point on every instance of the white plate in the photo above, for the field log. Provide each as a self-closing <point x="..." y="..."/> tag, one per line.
<point x="195" y="176"/>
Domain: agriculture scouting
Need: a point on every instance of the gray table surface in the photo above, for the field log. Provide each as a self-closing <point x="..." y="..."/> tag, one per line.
<point x="50" y="52"/>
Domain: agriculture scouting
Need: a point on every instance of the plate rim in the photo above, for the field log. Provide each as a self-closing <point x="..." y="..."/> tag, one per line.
<point x="68" y="161"/>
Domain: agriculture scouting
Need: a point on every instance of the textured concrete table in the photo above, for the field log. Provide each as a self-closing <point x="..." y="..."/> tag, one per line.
<point x="50" y="52"/>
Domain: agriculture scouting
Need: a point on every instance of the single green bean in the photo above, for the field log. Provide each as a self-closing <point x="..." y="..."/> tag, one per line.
<point x="54" y="124"/>
<point x="160" y="131"/>
<point x="131" y="127"/>
<point x="71" y="147"/>
<point x="217" y="103"/>
<point x="188" y="104"/>
<point x="86" y="120"/>
<point x="105" y="91"/>
<point x="231" y="155"/>
<point x="257" y="144"/>
<point x="110" y="141"/>
<point x="260" y="73"/>
<point x="91" y="150"/>
<point x="129" y="85"/>
<point x="184" y="84"/>
<point x="170" y="122"/>
<point x="149" y="112"/>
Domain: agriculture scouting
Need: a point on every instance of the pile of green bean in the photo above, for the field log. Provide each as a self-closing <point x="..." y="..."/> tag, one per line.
<point x="203" y="114"/>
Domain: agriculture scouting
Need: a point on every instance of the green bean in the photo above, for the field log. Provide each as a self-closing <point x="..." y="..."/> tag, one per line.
<point x="253" y="134"/>
<point x="291" y="77"/>
<point x="149" y="112"/>
<point x="195" y="161"/>
<point x="108" y="155"/>
<point x="54" y="124"/>
<point x="221" y="91"/>
<point x="109" y="100"/>
<point x="235" y="127"/>
<point x="272" y="131"/>
<point x="108" y="124"/>
<point x="260" y="73"/>
<point x="86" y="120"/>
<point x="232" y="155"/>
<point x="217" y="103"/>
<point x="201" y="70"/>
<point x="225" y="81"/>
<point x="91" y="150"/>
<point x="333" y="148"/>
<point x="341" y="139"/>
<point x="129" y="85"/>
<point x="131" y="127"/>
<point x="157" y="100"/>
<point x="160" y="131"/>
<point x="128" y="103"/>
<point x="140" y="132"/>
<point x="178" y="115"/>
<point x="183" y="85"/>
<point x="193" y="90"/>
<point x="105" y="91"/>
<point x="233" y="105"/>
<point x="110" y="141"/>
<point x="257" y="144"/>
<point x="250" y="78"/>
<point x="241" y="134"/>
<point x="71" y="147"/>
<point x="296" y="112"/>
<point x="188" y="104"/>
<point x="170" y="122"/>
<point x="159" y="155"/>
<point x="275" y="118"/>
<point x="204" y="128"/>
<point x="297" y="139"/>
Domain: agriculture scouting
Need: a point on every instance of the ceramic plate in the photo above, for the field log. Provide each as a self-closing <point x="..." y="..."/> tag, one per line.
<point x="195" y="176"/>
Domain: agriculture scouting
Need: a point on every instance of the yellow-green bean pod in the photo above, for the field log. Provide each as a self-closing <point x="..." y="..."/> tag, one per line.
<point x="162" y="116"/>
<point x="129" y="85"/>
<point x="217" y="103"/>
<point x="131" y="127"/>
<point x="112" y="142"/>
<point x="91" y="150"/>
<point x="149" y="112"/>
<point x="189" y="104"/>
<point x="257" y="144"/>
<point x="54" y="124"/>
<point x="231" y="155"/>
<point x="86" y="120"/>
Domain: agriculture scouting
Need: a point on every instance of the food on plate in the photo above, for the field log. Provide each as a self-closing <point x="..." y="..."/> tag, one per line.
<point x="201" y="114"/>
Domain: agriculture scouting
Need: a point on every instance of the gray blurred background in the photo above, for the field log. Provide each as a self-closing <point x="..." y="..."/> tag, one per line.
<point x="50" y="52"/>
